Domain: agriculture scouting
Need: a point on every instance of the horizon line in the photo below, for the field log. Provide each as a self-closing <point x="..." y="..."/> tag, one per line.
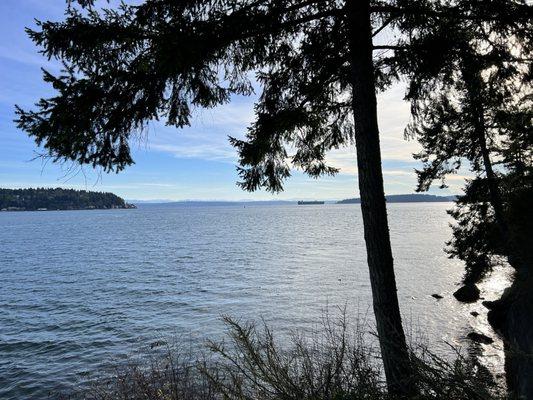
<point x="166" y="201"/>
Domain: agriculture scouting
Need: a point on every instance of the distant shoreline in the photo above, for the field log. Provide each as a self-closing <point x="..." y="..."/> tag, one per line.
<point x="59" y="199"/>
<point x="407" y="198"/>
<point x="402" y="198"/>
<point x="129" y="207"/>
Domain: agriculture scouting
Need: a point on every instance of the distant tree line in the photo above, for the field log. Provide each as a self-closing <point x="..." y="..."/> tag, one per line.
<point x="58" y="199"/>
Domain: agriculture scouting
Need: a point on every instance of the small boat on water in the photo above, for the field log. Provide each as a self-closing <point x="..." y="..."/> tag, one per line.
<point x="307" y="203"/>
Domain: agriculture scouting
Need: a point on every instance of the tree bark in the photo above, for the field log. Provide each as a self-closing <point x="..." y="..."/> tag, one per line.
<point x="393" y="345"/>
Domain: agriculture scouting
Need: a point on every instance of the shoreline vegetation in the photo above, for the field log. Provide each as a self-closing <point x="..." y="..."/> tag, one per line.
<point x="43" y="199"/>
<point x="335" y="361"/>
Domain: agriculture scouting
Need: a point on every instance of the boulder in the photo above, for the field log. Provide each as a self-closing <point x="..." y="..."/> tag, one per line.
<point x="479" y="338"/>
<point x="467" y="294"/>
<point x="491" y="305"/>
<point x="436" y="296"/>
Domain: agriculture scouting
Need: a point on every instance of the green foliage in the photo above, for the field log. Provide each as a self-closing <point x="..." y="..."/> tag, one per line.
<point x="478" y="90"/>
<point x="477" y="237"/>
<point x="58" y="199"/>
<point x="473" y="110"/>
<point x="162" y="59"/>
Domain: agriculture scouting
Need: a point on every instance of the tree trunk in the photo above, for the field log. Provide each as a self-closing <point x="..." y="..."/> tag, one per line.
<point x="394" y="350"/>
<point x="474" y="84"/>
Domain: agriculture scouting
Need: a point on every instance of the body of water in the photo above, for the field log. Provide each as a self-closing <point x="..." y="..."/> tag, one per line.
<point x="82" y="290"/>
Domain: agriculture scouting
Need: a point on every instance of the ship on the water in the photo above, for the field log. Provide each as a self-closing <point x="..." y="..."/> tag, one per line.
<point x="307" y="203"/>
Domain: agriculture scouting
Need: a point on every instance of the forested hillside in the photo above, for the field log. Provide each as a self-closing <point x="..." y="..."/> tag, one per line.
<point x="58" y="199"/>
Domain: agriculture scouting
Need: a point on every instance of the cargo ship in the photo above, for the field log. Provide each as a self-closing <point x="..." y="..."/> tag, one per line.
<point x="308" y="203"/>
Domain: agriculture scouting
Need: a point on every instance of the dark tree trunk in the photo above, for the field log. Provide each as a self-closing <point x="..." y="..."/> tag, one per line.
<point x="394" y="350"/>
<point x="494" y="192"/>
<point x="474" y="86"/>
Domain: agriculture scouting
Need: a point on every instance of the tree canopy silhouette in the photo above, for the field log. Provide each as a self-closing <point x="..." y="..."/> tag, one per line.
<point x="319" y="64"/>
<point x="475" y="112"/>
<point x="476" y="108"/>
<point x="58" y="199"/>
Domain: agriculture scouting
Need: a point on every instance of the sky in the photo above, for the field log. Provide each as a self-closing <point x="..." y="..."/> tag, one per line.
<point x="195" y="163"/>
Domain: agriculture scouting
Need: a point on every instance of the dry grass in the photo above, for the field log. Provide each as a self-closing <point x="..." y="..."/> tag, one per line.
<point x="332" y="363"/>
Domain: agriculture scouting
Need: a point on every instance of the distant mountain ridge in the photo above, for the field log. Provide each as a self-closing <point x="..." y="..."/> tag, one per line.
<point x="43" y="199"/>
<point x="406" y="198"/>
<point x="399" y="198"/>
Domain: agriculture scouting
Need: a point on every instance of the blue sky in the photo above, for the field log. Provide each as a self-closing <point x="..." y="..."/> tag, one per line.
<point x="171" y="164"/>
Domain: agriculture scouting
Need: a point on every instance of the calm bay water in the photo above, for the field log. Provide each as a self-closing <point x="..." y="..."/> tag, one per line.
<point x="82" y="290"/>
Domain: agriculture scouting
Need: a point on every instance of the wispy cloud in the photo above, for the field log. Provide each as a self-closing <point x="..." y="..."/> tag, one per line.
<point x="203" y="151"/>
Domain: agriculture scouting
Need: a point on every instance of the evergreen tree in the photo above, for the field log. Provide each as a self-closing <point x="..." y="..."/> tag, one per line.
<point x="58" y="199"/>
<point x="319" y="71"/>
<point x="476" y="109"/>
